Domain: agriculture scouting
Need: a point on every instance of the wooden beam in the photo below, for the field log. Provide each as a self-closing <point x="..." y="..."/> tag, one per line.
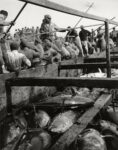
<point x="64" y="9"/>
<point x="67" y="138"/>
<point x="108" y="49"/>
<point x="99" y="59"/>
<point x="86" y="66"/>
<point x="63" y="81"/>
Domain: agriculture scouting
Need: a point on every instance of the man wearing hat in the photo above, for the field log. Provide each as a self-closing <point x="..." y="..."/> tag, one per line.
<point x="48" y="35"/>
<point x="3" y="22"/>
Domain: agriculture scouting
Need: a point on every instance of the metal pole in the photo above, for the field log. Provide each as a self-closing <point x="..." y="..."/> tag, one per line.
<point x="82" y="17"/>
<point x="107" y="49"/>
<point x="16" y="18"/>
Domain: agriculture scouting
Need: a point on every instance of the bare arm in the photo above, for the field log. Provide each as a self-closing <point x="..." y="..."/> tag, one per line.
<point x="26" y="61"/>
<point x="4" y="23"/>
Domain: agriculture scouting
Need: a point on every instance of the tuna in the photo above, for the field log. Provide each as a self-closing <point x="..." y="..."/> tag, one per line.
<point x="42" y="119"/>
<point x="107" y="125"/>
<point x="46" y="138"/>
<point x="113" y="115"/>
<point x="62" y="122"/>
<point x="90" y="139"/>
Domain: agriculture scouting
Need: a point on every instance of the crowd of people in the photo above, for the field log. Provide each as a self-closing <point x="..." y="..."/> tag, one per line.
<point x="30" y="47"/>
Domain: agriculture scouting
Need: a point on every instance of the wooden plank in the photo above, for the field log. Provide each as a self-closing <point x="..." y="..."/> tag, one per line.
<point x="67" y="138"/>
<point x="64" y="81"/>
<point x="64" y="9"/>
<point x="99" y="59"/>
<point x="108" y="49"/>
<point x="86" y="66"/>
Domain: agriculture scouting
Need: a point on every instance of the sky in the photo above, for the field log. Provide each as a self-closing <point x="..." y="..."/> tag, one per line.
<point x="32" y="15"/>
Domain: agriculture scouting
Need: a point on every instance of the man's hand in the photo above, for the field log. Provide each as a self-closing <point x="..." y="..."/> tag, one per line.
<point x="12" y="23"/>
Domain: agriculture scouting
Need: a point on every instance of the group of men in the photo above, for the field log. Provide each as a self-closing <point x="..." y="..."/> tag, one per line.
<point x="18" y="53"/>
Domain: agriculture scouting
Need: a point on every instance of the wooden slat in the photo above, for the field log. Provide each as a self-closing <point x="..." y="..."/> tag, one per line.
<point x="86" y="66"/>
<point x="64" y="9"/>
<point x="82" y="122"/>
<point x="64" y="81"/>
<point x="99" y="59"/>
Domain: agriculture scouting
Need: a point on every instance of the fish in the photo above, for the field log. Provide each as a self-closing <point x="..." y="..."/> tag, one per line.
<point x="20" y="120"/>
<point x="99" y="74"/>
<point x="35" y="144"/>
<point x="63" y="121"/>
<point x="113" y="115"/>
<point x="46" y="139"/>
<point x="70" y="100"/>
<point x="13" y="133"/>
<point x="109" y="128"/>
<point x="107" y="125"/>
<point x="42" y="119"/>
<point x="90" y="139"/>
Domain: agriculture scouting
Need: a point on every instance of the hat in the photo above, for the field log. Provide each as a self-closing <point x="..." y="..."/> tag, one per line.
<point x="47" y="16"/>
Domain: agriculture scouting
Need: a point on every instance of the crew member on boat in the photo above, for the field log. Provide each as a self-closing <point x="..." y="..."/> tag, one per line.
<point x="84" y="38"/>
<point x="113" y="35"/>
<point x="48" y="36"/>
<point x="73" y="37"/>
<point x="15" y="61"/>
<point x="3" y="22"/>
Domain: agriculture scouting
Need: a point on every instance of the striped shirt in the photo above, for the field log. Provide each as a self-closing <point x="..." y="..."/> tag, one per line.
<point x="16" y="60"/>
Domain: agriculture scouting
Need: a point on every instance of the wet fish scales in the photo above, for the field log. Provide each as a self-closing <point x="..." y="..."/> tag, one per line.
<point x="63" y="122"/>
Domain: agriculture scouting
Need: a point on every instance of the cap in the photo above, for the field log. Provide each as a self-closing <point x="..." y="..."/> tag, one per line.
<point x="47" y="16"/>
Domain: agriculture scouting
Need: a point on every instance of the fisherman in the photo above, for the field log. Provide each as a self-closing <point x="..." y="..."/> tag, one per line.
<point x="73" y="37"/>
<point x="101" y="43"/>
<point x="84" y="38"/>
<point x="35" y="46"/>
<point x="15" y="60"/>
<point x="29" y="53"/>
<point x="3" y="22"/>
<point x="113" y="35"/>
<point x="48" y="34"/>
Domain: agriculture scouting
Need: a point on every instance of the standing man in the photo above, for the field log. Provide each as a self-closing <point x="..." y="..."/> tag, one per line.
<point x="84" y="38"/>
<point x="48" y="35"/>
<point x="113" y="35"/>
<point x="73" y="37"/>
<point x="3" y="22"/>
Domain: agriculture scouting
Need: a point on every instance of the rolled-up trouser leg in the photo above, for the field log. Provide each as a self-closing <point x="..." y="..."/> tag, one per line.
<point x="85" y="45"/>
<point x="103" y="44"/>
<point x="79" y="45"/>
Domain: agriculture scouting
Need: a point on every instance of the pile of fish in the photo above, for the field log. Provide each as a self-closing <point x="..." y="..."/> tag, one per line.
<point x="91" y="94"/>
<point x="46" y="128"/>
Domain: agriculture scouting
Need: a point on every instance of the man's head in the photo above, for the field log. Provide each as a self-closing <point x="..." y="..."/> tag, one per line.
<point x="14" y="45"/>
<point x="4" y="13"/>
<point x="81" y="27"/>
<point x="47" y="18"/>
<point x="114" y="28"/>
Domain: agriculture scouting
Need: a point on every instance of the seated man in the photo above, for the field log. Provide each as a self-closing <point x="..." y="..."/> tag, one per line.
<point x="84" y="39"/>
<point x="29" y="53"/>
<point x="15" y="60"/>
